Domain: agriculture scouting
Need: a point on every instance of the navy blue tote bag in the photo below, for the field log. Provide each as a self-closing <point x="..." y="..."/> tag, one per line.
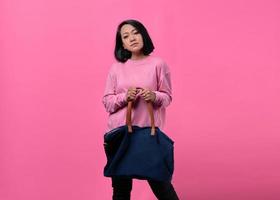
<point x="144" y="153"/>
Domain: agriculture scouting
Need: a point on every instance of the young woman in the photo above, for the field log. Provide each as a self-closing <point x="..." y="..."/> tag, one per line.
<point x="139" y="77"/>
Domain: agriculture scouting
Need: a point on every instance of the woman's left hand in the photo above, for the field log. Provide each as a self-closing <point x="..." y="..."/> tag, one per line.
<point x="148" y="95"/>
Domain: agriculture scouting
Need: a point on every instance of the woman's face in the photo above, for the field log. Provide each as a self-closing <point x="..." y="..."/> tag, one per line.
<point x="131" y="38"/>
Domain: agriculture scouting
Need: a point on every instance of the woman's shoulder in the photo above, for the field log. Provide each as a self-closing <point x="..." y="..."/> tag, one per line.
<point x="161" y="64"/>
<point x="158" y="58"/>
<point x="114" y="67"/>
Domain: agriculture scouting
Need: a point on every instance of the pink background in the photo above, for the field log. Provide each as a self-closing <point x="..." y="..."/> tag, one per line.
<point x="224" y="59"/>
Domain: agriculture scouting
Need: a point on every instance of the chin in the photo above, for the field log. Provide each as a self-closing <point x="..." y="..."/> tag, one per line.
<point x="135" y="50"/>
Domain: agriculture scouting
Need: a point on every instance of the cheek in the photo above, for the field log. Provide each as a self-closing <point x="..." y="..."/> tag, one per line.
<point x="140" y="38"/>
<point x="125" y="43"/>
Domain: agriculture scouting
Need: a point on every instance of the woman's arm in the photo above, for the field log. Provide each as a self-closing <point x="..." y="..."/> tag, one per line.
<point x="164" y="92"/>
<point x="111" y="100"/>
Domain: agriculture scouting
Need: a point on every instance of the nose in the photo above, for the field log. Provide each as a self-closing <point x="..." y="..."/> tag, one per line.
<point x="132" y="38"/>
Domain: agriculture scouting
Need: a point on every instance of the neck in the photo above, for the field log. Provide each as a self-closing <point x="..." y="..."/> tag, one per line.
<point x="137" y="56"/>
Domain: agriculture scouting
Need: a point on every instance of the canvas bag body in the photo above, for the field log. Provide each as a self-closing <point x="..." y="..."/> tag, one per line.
<point x="135" y="152"/>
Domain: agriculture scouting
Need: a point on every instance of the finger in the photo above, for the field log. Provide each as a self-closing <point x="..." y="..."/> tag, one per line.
<point x="144" y="92"/>
<point x="132" y="91"/>
<point x="147" y="99"/>
<point x="147" y="93"/>
<point x="132" y="96"/>
<point x="139" y="90"/>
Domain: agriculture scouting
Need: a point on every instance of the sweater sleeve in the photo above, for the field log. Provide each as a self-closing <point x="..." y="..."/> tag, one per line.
<point x="111" y="100"/>
<point x="164" y="91"/>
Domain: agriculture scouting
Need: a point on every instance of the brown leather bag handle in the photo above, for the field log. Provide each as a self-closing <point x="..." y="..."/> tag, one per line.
<point x="151" y="113"/>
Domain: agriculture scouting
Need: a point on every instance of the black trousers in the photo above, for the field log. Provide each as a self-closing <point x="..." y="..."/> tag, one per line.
<point x="162" y="190"/>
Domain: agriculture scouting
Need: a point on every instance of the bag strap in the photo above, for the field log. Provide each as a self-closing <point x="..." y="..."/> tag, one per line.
<point x="151" y="113"/>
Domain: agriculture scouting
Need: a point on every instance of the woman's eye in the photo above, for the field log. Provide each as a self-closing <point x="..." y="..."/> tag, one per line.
<point x="136" y="32"/>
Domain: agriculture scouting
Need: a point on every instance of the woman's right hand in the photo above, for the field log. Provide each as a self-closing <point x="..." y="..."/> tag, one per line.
<point x="131" y="94"/>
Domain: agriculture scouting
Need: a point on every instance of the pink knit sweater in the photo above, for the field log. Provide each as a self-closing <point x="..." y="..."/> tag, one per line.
<point x="150" y="73"/>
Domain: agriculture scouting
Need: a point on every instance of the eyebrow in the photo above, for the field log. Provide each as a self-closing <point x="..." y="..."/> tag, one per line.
<point x="131" y="31"/>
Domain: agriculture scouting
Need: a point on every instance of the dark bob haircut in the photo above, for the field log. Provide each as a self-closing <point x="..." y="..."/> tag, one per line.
<point x="122" y="54"/>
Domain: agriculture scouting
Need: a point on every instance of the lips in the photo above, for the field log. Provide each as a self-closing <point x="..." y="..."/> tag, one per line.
<point x="134" y="44"/>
